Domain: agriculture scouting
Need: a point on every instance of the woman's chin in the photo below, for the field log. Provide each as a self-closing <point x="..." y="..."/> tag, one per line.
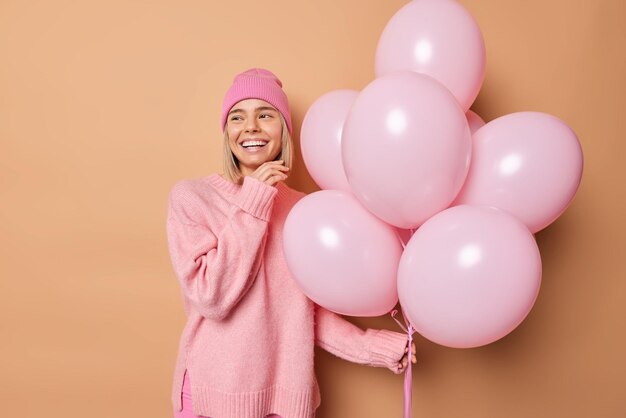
<point x="255" y="160"/>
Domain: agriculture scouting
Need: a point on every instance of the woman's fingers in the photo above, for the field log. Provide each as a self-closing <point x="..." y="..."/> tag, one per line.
<point x="402" y="364"/>
<point x="271" y="172"/>
<point x="276" y="177"/>
<point x="272" y="168"/>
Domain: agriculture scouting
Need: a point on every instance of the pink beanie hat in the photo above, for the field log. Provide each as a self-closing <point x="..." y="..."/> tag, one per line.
<point x="257" y="83"/>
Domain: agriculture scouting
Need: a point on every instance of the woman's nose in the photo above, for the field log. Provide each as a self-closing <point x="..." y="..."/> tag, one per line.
<point x="251" y="125"/>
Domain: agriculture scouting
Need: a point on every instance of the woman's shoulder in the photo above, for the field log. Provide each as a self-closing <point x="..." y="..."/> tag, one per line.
<point x="199" y="199"/>
<point x="199" y="189"/>
<point x="186" y="186"/>
<point x="215" y="181"/>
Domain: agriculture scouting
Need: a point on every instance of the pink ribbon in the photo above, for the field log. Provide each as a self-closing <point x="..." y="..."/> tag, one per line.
<point x="407" y="373"/>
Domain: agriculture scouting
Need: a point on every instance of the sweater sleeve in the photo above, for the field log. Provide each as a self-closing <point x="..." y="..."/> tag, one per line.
<point x="372" y="347"/>
<point x="216" y="268"/>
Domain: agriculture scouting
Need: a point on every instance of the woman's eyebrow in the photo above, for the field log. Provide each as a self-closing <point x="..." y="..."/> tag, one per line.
<point x="258" y="109"/>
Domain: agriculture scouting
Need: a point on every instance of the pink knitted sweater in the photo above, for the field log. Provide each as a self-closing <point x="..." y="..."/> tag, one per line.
<point x="249" y="338"/>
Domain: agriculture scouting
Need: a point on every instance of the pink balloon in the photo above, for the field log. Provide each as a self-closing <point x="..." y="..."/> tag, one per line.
<point x="342" y="256"/>
<point x="474" y="121"/>
<point x="404" y="235"/>
<point x="439" y="38"/>
<point x="406" y="148"/>
<point x="469" y="276"/>
<point x="320" y="138"/>
<point x="527" y="163"/>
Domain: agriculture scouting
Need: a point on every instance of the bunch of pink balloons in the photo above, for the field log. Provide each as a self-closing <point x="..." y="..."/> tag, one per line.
<point x="421" y="201"/>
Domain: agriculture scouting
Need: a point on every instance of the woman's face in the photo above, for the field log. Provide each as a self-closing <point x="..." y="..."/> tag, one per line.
<point x="254" y="133"/>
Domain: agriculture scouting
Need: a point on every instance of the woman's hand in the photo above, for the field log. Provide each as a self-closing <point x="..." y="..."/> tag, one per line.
<point x="271" y="172"/>
<point x="403" y="361"/>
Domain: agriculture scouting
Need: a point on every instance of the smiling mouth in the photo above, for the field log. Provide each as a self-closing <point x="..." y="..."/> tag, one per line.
<point x="256" y="144"/>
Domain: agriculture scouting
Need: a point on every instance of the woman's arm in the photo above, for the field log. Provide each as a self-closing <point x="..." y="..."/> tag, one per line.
<point x="373" y="347"/>
<point x="216" y="268"/>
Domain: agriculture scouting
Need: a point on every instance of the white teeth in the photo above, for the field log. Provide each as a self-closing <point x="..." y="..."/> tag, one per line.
<point x="253" y="143"/>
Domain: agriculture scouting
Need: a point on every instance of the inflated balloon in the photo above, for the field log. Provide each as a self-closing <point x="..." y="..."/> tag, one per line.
<point x="404" y="235"/>
<point x="341" y="256"/>
<point x="439" y="38"/>
<point x="469" y="276"/>
<point x="320" y="138"/>
<point x="527" y="163"/>
<point x="406" y="148"/>
<point x="474" y="121"/>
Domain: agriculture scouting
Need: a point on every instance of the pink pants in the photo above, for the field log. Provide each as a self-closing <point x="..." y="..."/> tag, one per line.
<point x="186" y="398"/>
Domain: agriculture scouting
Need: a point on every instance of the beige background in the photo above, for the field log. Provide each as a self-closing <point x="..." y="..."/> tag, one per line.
<point x="105" y="104"/>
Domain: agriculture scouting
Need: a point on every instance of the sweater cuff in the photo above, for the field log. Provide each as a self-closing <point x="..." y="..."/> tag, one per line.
<point x="256" y="198"/>
<point x="387" y="348"/>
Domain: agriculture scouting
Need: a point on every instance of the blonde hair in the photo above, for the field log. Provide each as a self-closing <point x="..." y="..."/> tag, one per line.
<point x="231" y="164"/>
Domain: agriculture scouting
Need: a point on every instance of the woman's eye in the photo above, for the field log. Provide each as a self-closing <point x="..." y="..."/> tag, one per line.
<point x="235" y="118"/>
<point x="265" y="114"/>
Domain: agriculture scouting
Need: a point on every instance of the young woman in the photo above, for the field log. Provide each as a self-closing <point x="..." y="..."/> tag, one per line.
<point x="247" y="348"/>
